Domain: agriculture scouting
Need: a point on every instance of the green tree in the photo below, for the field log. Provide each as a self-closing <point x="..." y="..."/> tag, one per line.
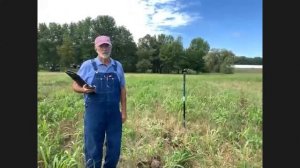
<point x="178" y="54"/>
<point x="49" y="37"/>
<point x="56" y="33"/>
<point x="195" y="52"/>
<point x="212" y="61"/>
<point x="147" y="50"/>
<point x="219" y="60"/>
<point x="104" y="25"/>
<point x="125" y="49"/>
<point x="143" y="65"/>
<point x="83" y="38"/>
<point x="43" y="43"/>
<point x="164" y="42"/>
<point x="66" y="52"/>
<point x="242" y="60"/>
<point x="171" y="55"/>
<point x="257" y="61"/>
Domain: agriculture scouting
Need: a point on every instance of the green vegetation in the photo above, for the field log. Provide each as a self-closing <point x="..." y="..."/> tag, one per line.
<point x="223" y="121"/>
<point x="68" y="45"/>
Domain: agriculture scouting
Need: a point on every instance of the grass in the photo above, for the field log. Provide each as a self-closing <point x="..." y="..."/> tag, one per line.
<point x="223" y="121"/>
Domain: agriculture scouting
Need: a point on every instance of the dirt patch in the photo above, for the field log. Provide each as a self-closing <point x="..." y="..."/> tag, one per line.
<point x="67" y="129"/>
<point x="153" y="162"/>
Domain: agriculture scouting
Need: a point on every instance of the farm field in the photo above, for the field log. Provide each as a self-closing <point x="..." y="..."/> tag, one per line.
<point x="223" y="121"/>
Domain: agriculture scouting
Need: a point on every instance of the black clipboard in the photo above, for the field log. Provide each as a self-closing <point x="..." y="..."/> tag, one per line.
<point x="77" y="79"/>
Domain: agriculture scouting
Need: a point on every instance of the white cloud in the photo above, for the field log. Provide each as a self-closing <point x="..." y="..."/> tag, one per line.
<point x="139" y="17"/>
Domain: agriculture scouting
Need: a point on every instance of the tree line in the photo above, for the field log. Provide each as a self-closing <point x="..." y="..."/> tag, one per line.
<point x="70" y="44"/>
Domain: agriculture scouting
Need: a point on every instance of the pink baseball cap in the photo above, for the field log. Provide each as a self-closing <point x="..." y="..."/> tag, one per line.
<point x="101" y="40"/>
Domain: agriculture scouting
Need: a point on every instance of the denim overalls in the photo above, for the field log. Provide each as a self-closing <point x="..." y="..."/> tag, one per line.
<point x="103" y="118"/>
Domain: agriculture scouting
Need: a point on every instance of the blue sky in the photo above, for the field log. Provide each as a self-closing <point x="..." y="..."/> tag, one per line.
<point x="235" y="25"/>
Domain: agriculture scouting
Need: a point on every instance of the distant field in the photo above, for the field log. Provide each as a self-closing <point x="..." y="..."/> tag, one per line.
<point x="223" y="121"/>
<point x="248" y="70"/>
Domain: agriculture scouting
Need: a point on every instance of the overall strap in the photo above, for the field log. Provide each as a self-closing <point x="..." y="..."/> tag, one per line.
<point x="94" y="65"/>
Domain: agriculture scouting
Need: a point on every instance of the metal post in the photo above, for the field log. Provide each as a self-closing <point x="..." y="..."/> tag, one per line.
<point x="183" y="98"/>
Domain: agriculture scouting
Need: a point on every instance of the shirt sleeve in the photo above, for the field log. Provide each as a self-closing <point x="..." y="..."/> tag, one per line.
<point x="81" y="70"/>
<point x="122" y="76"/>
<point x="84" y="71"/>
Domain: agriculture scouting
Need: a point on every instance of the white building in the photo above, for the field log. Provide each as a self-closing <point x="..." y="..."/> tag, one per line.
<point x="248" y="66"/>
